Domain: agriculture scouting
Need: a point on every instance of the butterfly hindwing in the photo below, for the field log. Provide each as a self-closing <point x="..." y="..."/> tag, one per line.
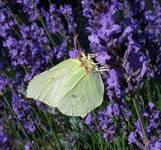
<point x="84" y="97"/>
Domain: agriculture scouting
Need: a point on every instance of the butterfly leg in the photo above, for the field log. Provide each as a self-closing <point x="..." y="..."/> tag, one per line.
<point x="95" y="63"/>
<point x="92" y="55"/>
<point x="75" y="41"/>
<point x="102" y="70"/>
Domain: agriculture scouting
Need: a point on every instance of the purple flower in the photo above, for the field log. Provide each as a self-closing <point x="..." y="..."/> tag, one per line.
<point x="23" y="111"/>
<point x="124" y="40"/>
<point x="149" y="15"/>
<point x="3" y="83"/>
<point x="27" y="146"/>
<point x="74" y="53"/>
<point x="135" y="60"/>
<point x="132" y="138"/>
<point x="29" y="9"/>
<point x="2" y="105"/>
<point x="66" y="10"/>
<point x="114" y="88"/>
<point x="54" y="22"/>
<point x="153" y="128"/>
<point x="153" y="116"/>
<point x="7" y="20"/>
<point x="113" y="109"/>
<point x="108" y="28"/>
<point x="155" y="144"/>
<point x="103" y="57"/>
<point x="59" y="51"/>
<point x="90" y="121"/>
<point x="107" y="125"/>
<point x="153" y="18"/>
<point x="4" y="137"/>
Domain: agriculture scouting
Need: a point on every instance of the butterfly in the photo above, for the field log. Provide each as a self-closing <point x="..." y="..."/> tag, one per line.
<point x="74" y="86"/>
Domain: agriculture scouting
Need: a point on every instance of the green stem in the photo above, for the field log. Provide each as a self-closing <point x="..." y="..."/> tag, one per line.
<point x="49" y="2"/>
<point x="140" y="119"/>
<point x="19" y="123"/>
<point x="55" y="137"/>
<point x="100" y="139"/>
<point x="15" y="31"/>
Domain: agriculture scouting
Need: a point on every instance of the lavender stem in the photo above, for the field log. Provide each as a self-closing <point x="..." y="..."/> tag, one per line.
<point x="19" y="122"/>
<point x="140" y="120"/>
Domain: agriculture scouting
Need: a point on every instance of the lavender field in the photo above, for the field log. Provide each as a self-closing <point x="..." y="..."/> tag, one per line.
<point x="124" y="38"/>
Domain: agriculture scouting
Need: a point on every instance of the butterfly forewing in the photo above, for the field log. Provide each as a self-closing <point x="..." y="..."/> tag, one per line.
<point x="42" y="81"/>
<point x="63" y="86"/>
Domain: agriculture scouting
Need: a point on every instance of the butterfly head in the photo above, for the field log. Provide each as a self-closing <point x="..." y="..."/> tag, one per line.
<point x="87" y="62"/>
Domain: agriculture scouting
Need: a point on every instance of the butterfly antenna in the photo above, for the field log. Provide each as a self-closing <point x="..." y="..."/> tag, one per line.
<point x="75" y="41"/>
<point x="93" y="55"/>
